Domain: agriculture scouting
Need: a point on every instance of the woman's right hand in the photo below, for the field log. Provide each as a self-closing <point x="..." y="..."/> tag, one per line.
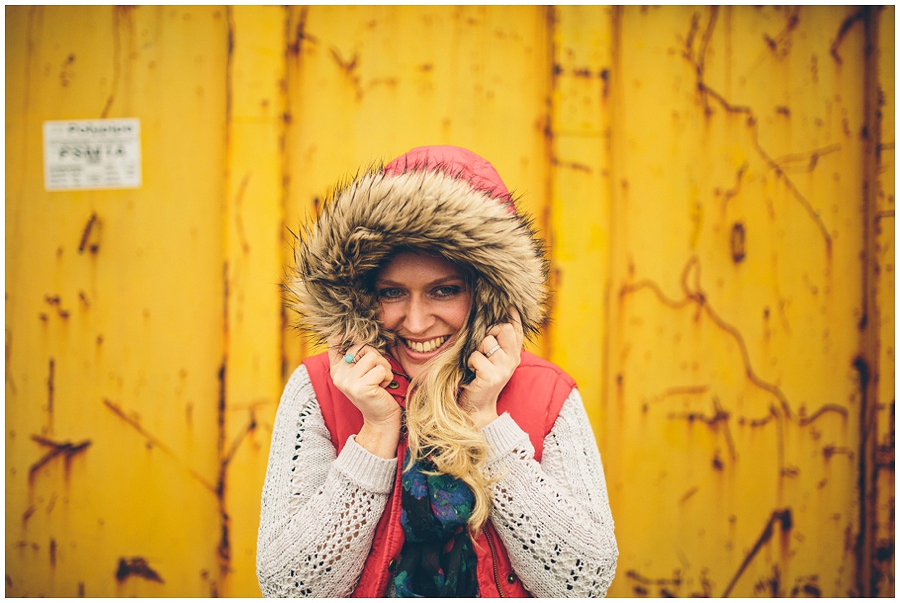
<point x="364" y="382"/>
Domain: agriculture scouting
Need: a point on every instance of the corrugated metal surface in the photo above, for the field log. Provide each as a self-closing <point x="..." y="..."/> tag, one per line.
<point x="717" y="187"/>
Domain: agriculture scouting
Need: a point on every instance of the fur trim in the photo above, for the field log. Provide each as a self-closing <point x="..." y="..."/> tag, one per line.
<point x="433" y="210"/>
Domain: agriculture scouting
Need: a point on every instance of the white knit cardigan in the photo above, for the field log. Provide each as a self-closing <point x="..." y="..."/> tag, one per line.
<point x="320" y="509"/>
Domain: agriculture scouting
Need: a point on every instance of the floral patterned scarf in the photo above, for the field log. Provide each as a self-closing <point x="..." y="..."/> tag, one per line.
<point x="438" y="559"/>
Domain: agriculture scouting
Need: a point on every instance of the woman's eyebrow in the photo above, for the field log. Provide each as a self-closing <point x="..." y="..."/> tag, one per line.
<point x="440" y="281"/>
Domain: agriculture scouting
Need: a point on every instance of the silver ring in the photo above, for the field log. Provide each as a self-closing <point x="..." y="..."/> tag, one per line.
<point x="491" y="351"/>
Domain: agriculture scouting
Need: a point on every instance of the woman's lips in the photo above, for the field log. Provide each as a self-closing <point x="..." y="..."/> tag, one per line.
<point x="424" y="347"/>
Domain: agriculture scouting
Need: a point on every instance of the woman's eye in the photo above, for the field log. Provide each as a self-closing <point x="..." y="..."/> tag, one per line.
<point x="390" y="293"/>
<point x="446" y="291"/>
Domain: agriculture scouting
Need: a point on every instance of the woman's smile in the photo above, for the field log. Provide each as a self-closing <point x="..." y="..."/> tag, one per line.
<point x="425" y="347"/>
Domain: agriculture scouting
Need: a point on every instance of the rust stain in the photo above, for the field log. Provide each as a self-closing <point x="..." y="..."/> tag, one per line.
<point x="92" y="244"/>
<point x="65" y="72"/>
<point x="55" y="301"/>
<point x="695" y="296"/>
<point x="804" y="420"/>
<point x="720" y="416"/>
<point x="783" y="517"/>
<point x="573" y="165"/>
<point x="67" y="449"/>
<point x="50" y="395"/>
<point x="806" y="162"/>
<point x="677" y="390"/>
<point x="136" y="566"/>
<point x="729" y="194"/>
<point x="249" y="428"/>
<point x="688" y="494"/>
<point x="349" y="68"/>
<point x="642" y="588"/>
<point x="830" y="450"/>
<point x="706" y="92"/>
<point x="770" y="586"/>
<point x="118" y="13"/>
<point x="806" y="586"/>
<point x="153" y="440"/>
<point x="223" y="550"/>
<point x="780" y="45"/>
<point x="301" y="34"/>
<point x="842" y="33"/>
<point x="738" y="242"/>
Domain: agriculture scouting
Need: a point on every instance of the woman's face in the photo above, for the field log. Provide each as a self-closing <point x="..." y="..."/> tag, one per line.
<point x="424" y="300"/>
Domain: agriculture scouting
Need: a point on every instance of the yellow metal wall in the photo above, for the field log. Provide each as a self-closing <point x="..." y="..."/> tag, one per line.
<point x="716" y="185"/>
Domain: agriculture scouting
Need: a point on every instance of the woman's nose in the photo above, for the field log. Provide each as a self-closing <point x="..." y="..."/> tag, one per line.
<point x="418" y="316"/>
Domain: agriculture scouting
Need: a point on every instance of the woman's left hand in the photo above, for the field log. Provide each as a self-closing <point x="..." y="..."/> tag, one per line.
<point x="493" y="361"/>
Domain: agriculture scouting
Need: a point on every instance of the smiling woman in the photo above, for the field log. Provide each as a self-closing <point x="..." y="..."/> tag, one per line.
<point x="426" y="453"/>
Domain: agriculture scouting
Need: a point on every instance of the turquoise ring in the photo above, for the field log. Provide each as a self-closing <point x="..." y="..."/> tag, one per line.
<point x="349" y="359"/>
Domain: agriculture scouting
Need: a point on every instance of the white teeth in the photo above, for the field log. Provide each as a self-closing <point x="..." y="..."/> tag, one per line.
<point x="425" y="346"/>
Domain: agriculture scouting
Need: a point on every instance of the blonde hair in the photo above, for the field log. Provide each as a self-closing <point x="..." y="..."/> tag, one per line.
<point x="439" y="428"/>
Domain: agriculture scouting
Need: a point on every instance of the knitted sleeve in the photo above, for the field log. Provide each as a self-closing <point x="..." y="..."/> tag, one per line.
<point x="553" y="516"/>
<point x="319" y="510"/>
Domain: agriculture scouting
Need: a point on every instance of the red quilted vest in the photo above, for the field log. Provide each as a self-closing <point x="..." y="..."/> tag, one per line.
<point x="533" y="397"/>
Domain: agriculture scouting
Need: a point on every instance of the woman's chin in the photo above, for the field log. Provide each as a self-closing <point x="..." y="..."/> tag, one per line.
<point x="412" y="361"/>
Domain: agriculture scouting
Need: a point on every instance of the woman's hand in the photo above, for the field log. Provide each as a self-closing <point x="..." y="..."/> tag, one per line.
<point x="493" y="361"/>
<point x="363" y="381"/>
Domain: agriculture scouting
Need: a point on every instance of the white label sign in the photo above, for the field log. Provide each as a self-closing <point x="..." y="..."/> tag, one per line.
<point x="84" y="154"/>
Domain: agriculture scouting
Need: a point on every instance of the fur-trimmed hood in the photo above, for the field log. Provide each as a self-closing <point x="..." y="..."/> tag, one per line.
<point x="446" y="201"/>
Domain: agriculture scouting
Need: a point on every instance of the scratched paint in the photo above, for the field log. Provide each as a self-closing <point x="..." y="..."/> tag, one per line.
<point x="739" y="358"/>
<point x="716" y="188"/>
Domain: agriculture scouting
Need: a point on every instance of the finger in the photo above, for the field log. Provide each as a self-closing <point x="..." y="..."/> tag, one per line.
<point x="488" y="344"/>
<point x="509" y="338"/>
<point x="479" y="363"/>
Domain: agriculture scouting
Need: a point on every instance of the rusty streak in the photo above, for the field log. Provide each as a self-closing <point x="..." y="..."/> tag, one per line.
<point x="300" y="33"/>
<point x="136" y="566"/>
<point x="705" y="91"/>
<point x="117" y="410"/>
<point x="87" y="233"/>
<point x="56" y="448"/>
<point x="50" y="393"/>
<point x="842" y="32"/>
<point x="223" y="550"/>
<point x="118" y="12"/>
<point x="738" y="242"/>
<point x="795" y="192"/>
<point x="785" y="518"/>
<point x="733" y="192"/>
<point x="696" y="296"/>
<point x="822" y="410"/>
<point x="810" y="158"/>
<point x="346" y="66"/>
<point x="689" y="494"/>
<point x="777" y="45"/>
<point x="249" y="428"/>
<point x="580" y="167"/>
<point x="830" y="450"/>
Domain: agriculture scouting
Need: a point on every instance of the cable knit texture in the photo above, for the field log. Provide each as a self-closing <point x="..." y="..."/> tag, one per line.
<point x="320" y="510"/>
